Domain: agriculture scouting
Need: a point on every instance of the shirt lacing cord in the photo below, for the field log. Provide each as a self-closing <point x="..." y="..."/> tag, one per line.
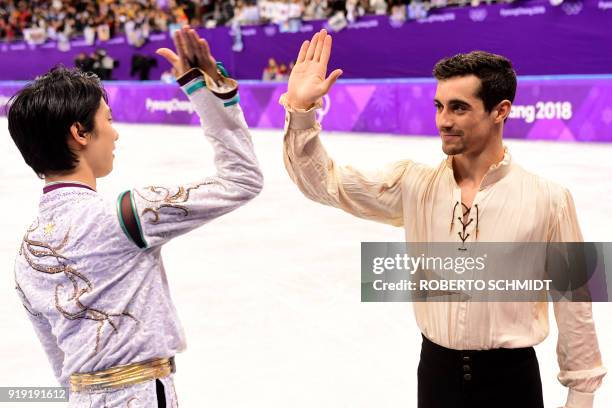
<point x="462" y="234"/>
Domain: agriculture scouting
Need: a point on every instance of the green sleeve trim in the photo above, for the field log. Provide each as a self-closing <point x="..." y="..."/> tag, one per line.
<point x="221" y="68"/>
<point x="137" y="217"/>
<point x="120" y="216"/>
<point x="234" y="101"/>
<point x="194" y="87"/>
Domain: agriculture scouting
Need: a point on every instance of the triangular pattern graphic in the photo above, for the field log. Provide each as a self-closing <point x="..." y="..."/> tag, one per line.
<point x="546" y="129"/>
<point x="262" y="96"/>
<point x="265" y="122"/>
<point x="566" y="135"/>
<point x="360" y="94"/>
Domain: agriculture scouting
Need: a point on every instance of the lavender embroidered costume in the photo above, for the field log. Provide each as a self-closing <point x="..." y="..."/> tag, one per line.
<point x="92" y="281"/>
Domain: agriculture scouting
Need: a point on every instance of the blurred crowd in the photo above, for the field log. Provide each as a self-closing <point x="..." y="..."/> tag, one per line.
<point x="61" y="20"/>
<point x="277" y="72"/>
<point x="38" y="20"/>
<point x="101" y="63"/>
<point x="98" y="62"/>
<point x="288" y="14"/>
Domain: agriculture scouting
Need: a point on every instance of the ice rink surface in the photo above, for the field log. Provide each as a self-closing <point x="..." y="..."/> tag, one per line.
<point x="269" y="295"/>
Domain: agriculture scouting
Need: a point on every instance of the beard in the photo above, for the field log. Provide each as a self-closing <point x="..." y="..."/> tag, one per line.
<point x="452" y="150"/>
<point x="453" y="147"/>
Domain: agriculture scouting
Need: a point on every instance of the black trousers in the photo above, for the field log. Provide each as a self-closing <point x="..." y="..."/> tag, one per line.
<point x="498" y="378"/>
<point x="161" y="395"/>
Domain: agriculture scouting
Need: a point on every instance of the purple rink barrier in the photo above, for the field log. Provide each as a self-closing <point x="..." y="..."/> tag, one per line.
<point x="540" y="40"/>
<point x="546" y="108"/>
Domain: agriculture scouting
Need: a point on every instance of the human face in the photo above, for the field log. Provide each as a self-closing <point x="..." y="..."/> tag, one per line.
<point x="99" y="152"/>
<point x="462" y="121"/>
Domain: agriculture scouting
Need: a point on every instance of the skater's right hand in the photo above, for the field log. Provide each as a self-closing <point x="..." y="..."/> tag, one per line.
<point x="307" y="82"/>
<point x="193" y="52"/>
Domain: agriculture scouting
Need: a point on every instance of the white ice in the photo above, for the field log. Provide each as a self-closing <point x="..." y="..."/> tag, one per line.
<point x="269" y="295"/>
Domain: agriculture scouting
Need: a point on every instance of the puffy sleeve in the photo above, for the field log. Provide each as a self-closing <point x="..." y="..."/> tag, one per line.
<point x="578" y="353"/>
<point x="376" y="196"/>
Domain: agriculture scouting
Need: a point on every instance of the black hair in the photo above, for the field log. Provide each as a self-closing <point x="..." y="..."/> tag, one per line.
<point x="497" y="78"/>
<point x="40" y="116"/>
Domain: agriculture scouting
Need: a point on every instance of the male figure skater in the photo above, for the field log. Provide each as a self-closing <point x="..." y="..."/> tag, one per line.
<point x="476" y="355"/>
<point x="89" y="272"/>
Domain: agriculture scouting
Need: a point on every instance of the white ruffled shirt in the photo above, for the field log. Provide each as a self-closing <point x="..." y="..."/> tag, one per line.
<point x="514" y="206"/>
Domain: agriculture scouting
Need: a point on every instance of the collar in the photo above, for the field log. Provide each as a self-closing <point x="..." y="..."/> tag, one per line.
<point x="61" y="184"/>
<point x="495" y="173"/>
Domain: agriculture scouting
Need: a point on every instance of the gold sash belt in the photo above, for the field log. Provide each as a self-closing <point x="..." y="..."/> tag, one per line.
<point x="123" y="375"/>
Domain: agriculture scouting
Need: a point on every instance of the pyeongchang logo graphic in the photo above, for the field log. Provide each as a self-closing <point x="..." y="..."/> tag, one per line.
<point x="522" y="11"/>
<point x="572" y="8"/>
<point x="324" y="110"/>
<point x="604" y="5"/>
<point x="270" y="31"/>
<point x="169" y="106"/>
<point x="478" y="15"/>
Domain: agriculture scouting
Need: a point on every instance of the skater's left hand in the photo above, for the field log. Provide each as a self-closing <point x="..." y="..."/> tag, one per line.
<point x="193" y="52"/>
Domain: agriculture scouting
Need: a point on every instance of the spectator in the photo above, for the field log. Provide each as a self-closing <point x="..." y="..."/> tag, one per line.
<point x="296" y="11"/>
<point x="270" y="71"/>
<point x="223" y="12"/>
<point x="277" y="72"/>
<point x="282" y="74"/>
<point x="103" y="64"/>
<point x="251" y="13"/>
<point x="354" y="10"/>
<point x="417" y="10"/>
<point x="89" y="32"/>
<point x="379" y="7"/>
<point x="438" y="3"/>
<point x="337" y="6"/>
<point x="142" y="65"/>
<point x="315" y="10"/>
<point x="84" y="62"/>
<point x="62" y="20"/>
<point x="159" y="21"/>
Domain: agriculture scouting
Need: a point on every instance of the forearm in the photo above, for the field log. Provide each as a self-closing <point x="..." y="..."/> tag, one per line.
<point x="305" y="158"/>
<point x="376" y="197"/>
<point x="578" y="353"/>
<point x="163" y="212"/>
<point x="224" y="126"/>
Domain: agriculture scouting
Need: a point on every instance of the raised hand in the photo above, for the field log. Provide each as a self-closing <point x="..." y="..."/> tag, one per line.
<point x="307" y="82"/>
<point x="193" y="52"/>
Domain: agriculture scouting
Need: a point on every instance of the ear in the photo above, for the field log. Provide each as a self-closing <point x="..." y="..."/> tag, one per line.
<point x="502" y="111"/>
<point x="78" y="136"/>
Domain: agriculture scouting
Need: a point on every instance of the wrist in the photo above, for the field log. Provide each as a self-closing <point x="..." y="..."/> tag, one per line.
<point x="188" y="76"/>
<point x="298" y="104"/>
<point x="215" y="75"/>
<point x="294" y="107"/>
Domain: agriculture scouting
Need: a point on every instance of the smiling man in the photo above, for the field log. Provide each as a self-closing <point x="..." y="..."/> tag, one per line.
<point x="476" y="355"/>
<point x="90" y="272"/>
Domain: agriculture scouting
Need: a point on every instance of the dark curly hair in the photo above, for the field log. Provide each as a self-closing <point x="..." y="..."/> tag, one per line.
<point x="497" y="78"/>
<point x="40" y="116"/>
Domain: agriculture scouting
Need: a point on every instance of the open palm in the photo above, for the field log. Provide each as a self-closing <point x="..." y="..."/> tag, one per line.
<point x="307" y="82"/>
<point x="193" y="52"/>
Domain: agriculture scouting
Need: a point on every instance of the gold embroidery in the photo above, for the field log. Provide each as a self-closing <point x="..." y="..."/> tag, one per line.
<point x="130" y="401"/>
<point x="122" y="376"/>
<point x="25" y="301"/>
<point x="170" y="201"/>
<point x="31" y="249"/>
<point x="49" y="228"/>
